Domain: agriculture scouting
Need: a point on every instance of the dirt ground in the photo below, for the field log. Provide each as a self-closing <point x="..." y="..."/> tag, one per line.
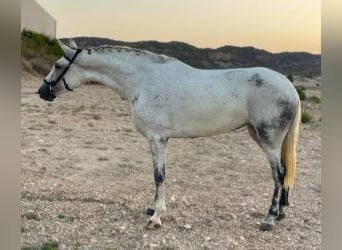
<point x="87" y="181"/>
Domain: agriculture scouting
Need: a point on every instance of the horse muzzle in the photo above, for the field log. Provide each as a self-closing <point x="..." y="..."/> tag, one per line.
<point x="46" y="92"/>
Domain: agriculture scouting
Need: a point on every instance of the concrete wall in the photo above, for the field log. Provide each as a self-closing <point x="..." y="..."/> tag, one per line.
<point x="35" y="18"/>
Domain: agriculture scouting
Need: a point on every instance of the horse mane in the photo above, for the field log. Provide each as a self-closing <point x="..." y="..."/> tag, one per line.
<point x="107" y="49"/>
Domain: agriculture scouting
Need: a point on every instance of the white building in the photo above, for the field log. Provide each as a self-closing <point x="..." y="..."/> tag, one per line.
<point x="35" y="18"/>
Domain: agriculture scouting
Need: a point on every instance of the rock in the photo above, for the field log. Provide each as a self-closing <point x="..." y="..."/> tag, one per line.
<point x="172" y="198"/>
<point x="163" y="242"/>
<point x="207" y="238"/>
<point x="186" y="226"/>
<point x="151" y="245"/>
<point x="232" y="216"/>
<point x="30" y="215"/>
<point x="186" y="202"/>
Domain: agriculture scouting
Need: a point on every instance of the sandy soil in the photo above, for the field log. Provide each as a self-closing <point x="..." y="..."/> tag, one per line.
<point x="87" y="181"/>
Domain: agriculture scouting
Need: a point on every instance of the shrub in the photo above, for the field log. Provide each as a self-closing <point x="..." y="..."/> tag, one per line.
<point x="50" y="245"/>
<point x="61" y="216"/>
<point x="38" y="46"/>
<point x="306" y="117"/>
<point x="290" y="77"/>
<point x="301" y="93"/>
<point x="314" y="99"/>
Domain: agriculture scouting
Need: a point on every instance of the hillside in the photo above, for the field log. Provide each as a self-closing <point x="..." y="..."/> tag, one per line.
<point x="39" y="53"/>
<point x="296" y="63"/>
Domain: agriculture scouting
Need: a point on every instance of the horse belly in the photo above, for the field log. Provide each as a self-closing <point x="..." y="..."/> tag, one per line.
<point x="199" y="124"/>
<point x="202" y="106"/>
<point x="205" y="113"/>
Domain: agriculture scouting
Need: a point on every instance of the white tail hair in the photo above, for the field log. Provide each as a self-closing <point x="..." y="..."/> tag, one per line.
<point x="289" y="149"/>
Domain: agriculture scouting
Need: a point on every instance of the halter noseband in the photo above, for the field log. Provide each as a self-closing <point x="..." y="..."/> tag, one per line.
<point x="53" y="83"/>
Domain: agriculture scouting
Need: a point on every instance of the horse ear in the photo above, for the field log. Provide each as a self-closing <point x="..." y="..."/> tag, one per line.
<point x="72" y="44"/>
<point x="67" y="50"/>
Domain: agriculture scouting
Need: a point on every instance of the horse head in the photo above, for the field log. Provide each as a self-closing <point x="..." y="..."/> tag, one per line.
<point x="65" y="74"/>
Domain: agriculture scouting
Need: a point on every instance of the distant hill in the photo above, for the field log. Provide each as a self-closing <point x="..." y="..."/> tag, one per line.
<point x="39" y="52"/>
<point x="296" y="63"/>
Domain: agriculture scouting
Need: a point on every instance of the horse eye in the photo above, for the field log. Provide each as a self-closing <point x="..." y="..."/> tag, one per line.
<point x="57" y="66"/>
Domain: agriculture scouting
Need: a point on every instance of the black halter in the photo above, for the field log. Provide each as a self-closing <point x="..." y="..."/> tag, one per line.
<point x="53" y="83"/>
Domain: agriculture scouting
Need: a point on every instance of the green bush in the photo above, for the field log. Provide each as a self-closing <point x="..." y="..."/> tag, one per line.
<point x="301" y="93"/>
<point x="61" y="216"/>
<point x="306" y="117"/>
<point x="50" y="245"/>
<point x="35" y="45"/>
<point x="290" y="77"/>
<point x="314" y="99"/>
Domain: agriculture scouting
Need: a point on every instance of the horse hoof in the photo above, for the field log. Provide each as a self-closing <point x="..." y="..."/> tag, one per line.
<point x="153" y="225"/>
<point x="281" y="216"/>
<point x="150" y="211"/>
<point x="266" y="226"/>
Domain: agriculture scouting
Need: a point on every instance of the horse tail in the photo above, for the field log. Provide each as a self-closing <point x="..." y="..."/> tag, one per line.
<point x="289" y="149"/>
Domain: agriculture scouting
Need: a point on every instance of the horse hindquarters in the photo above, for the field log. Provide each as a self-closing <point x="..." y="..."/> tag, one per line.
<point x="277" y="136"/>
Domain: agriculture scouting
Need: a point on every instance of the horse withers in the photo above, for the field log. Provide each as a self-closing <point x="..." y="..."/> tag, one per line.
<point x="170" y="99"/>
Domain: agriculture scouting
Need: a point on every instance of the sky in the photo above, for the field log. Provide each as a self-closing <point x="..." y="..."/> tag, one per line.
<point x="273" y="25"/>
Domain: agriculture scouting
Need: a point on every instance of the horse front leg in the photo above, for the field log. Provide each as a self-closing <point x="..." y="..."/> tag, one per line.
<point x="158" y="146"/>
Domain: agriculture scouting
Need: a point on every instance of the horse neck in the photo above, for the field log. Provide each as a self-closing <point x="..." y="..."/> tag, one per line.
<point x="119" y="73"/>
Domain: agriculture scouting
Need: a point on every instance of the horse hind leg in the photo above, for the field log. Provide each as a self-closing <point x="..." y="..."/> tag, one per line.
<point x="283" y="197"/>
<point x="253" y="134"/>
<point x="270" y="140"/>
<point x="284" y="192"/>
<point x="273" y="156"/>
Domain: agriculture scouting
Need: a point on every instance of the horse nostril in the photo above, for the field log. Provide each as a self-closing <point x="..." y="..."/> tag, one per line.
<point x="46" y="93"/>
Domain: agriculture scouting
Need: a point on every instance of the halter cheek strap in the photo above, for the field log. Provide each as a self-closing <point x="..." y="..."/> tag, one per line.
<point x="66" y="85"/>
<point x="51" y="84"/>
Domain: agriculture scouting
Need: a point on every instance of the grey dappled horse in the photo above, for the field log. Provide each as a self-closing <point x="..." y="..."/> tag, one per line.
<point x="170" y="99"/>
